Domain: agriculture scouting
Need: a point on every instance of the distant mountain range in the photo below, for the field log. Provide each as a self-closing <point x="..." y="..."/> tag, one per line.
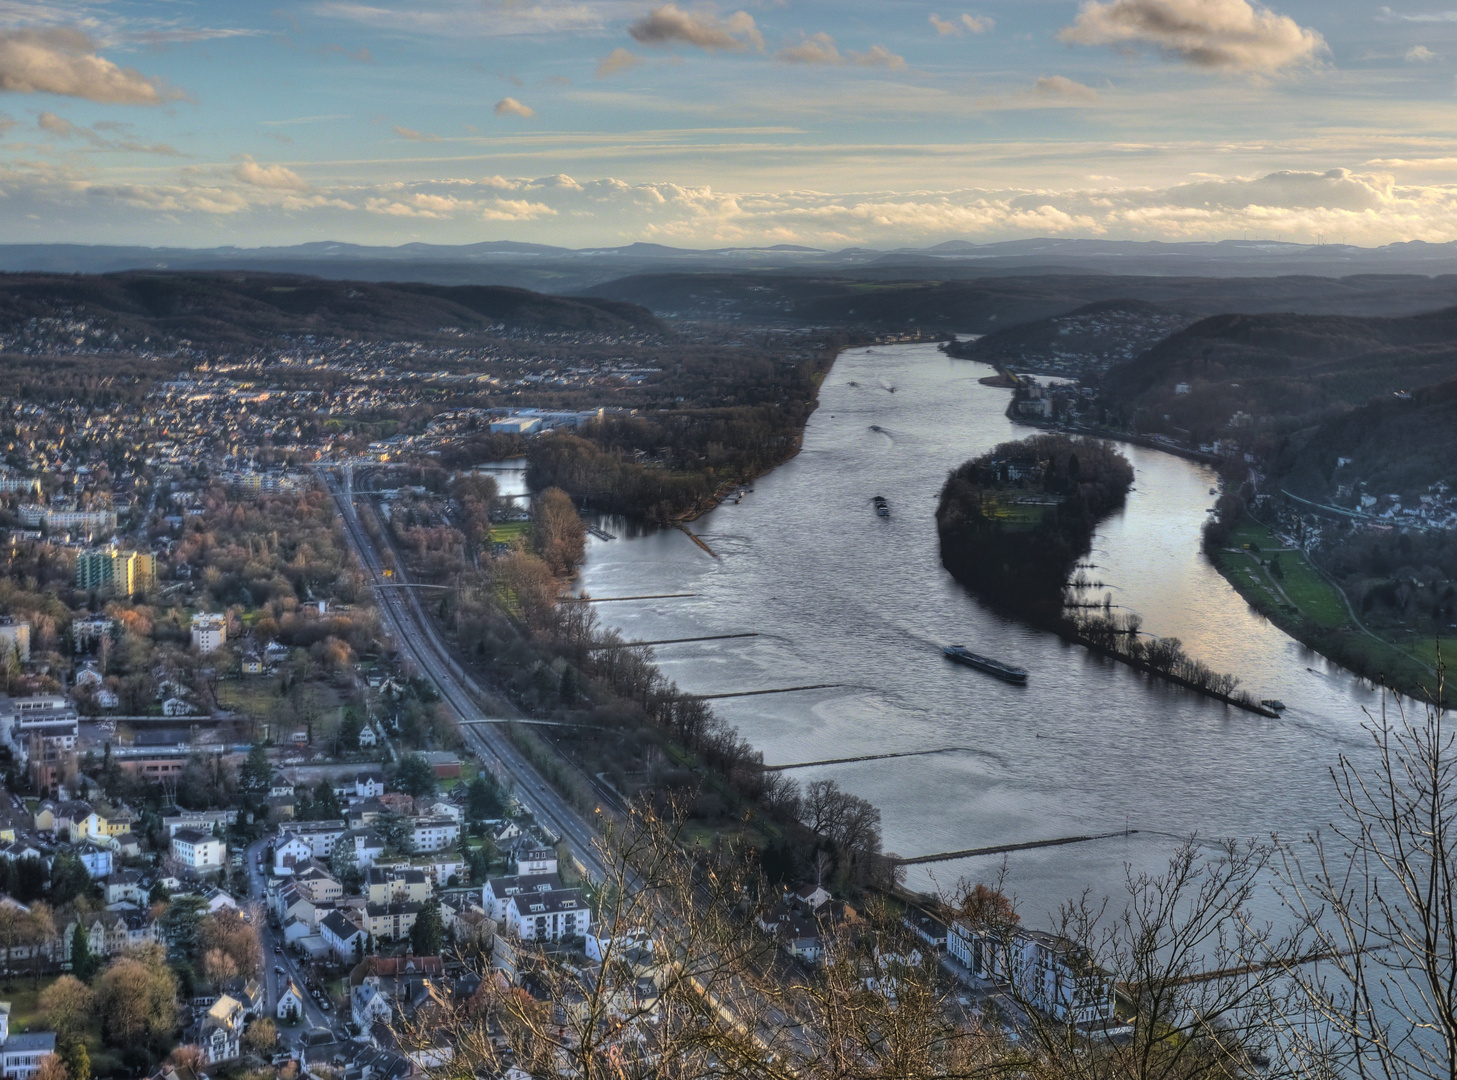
<point x="557" y="269"/>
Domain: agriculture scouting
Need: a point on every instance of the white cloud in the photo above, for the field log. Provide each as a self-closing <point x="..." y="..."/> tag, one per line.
<point x="617" y="60"/>
<point x="670" y="24"/>
<point x="1217" y="34"/>
<point x="978" y="24"/>
<point x="878" y="56"/>
<point x="1422" y="17"/>
<point x="944" y="27"/>
<point x="466" y="18"/>
<point x="275" y="177"/>
<point x="1420" y="54"/>
<point x="413" y="135"/>
<point x="58" y="60"/>
<point x="509" y="106"/>
<point x="1060" y="86"/>
<point x="815" y="49"/>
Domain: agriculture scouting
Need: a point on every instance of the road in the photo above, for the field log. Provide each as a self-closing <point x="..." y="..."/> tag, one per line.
<point x="314" y="1017"/>
<point x="415" y="635"/>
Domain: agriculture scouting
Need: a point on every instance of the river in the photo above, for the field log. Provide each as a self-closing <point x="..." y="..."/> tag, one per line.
<point x="840" y="596"/>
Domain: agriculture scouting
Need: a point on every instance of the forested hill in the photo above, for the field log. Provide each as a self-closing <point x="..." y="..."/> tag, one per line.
<point x="217" y="308"/>
<point x="1393" y="445"/>
<point x="1284" y="372"/>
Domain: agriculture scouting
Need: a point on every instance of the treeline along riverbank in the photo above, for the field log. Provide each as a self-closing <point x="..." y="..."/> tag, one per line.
<point x="1013" y="524"/>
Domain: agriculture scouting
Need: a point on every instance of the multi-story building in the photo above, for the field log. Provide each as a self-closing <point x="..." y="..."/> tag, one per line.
<point x="67" y="519"/>
<point x="1050" y="973"/>
<point x="385" y="886"/>
<point x="110" y="569"/>
<point x="41" y="731"/>
<point x="209" y="632"/>
<point x="391" y="921"/>
<point x="550" y="915"/>
<point x="435" y="833"/>
<point x="198" y="850"/>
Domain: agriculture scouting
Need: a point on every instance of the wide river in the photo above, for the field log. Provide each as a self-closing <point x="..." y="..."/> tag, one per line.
<point x="837" y="595"/>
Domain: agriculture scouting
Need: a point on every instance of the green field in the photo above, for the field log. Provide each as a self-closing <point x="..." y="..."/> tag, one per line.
<point x="1310" y="609"/>
<point x="508" y="532"/>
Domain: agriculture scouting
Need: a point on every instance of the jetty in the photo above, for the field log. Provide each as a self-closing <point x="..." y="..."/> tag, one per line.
<point x="777" y="690"/>
<point x="600" y="534"/>
<point x="697" y="539"/>
<point x="863" y="757"/>
<point x="669" y="641"/>
<point x="998" y="849"/>
<point x="615" y="599"/>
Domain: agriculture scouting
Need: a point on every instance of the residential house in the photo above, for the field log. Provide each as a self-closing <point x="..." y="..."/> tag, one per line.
<point x="288" y="852"/>
<point x="393" y="920"/>
<point x="198" y="850"/>
<point x="221" y="1032"/>
<point x="56" y="817"/>
<point x="434" y="833"/>
<point x="534" y="859"/>
<point x="388" y="886"/>
<point x="315" y="881"/>
<point x="202" y="820"/>
<point x="549" y="915"/>
<point x="346" y="941"/>
<point x="379" y="985"/>
<point x="925" y="926"/>
<point x="369" y="784"/>
<point x="21" y="1055"/>
<point x="496" y="891"/>
<point x="280" y="785"/>
<point x="367" y="737"/>
<point x="96" y="860"/>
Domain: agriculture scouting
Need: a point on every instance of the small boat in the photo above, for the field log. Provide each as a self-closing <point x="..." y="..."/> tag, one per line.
<point x="1274" y="704"/>
<point x="1006" y="672"/>
<point x="882" y="508"/>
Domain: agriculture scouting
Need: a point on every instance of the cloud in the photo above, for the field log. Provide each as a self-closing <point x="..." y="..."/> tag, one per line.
<point x="413" y="135"/>
<point x="58" y="126"/>
<point x="57" y="60"/>
<point x="670" y="24"/>
<point x="1060" y="86"/>
<point x="878" y="56"/>
<point x="466" y="18"/>
<point x="1420" y="54"/>
<point x="6" y="122"/>
<point x="275" y="177"/>
<point x="816" y="49"/>
<point x="976" y="24"/>
<point x="1216" y="34"/>
<point x="509" y="106"/>
<point x="1423" y="17"/>
<point x="617" y="60"/>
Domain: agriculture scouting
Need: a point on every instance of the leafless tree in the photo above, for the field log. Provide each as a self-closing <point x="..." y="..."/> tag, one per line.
<point x="1378" y="899"/>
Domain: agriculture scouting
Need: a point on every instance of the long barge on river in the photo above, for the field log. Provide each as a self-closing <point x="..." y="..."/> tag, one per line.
<point x="1006" y="672"/>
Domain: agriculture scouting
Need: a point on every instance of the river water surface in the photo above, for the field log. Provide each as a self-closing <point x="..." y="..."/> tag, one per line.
<point x="840" y="596"/>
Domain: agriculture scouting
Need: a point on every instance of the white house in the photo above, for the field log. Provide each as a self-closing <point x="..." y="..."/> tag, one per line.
<point x="435" y="833"/>
<point x="198" y="850"/>
<point x="1050" y="973"/>
<point x="291" y="1002"/>
<point x="368" y="785"/>
<point x="176" y="706"/>
<point x="22" y="1054"/>
<point x="496" y="891"/>
<point x="367" y="737"/>
<point x="96" y="860"/>
<point x="547" y="916"/>
<point x="345" y="940"/>
<point x="222" y="1029"/>
<point x="535" y="860"/>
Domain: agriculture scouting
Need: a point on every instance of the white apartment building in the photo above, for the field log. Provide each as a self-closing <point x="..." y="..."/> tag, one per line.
<point x="209" y="632"/>
<point x="198" y="850"/>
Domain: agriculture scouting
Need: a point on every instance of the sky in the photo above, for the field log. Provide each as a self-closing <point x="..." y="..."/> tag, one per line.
<point x="825" y="123"/>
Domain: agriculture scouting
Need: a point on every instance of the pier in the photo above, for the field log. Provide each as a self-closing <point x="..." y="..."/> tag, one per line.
<point x="697" y="539"/>
<point x="600" y="534"/>
<point x="615" y="599"/>
<point x="669" y="641"/>
<point x="998" y="849"/>
<point x="778" y="690"/>
<point x="863" y="757"/>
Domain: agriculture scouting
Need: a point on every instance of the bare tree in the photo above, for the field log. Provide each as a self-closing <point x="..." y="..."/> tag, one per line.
<point x="1379" y="905"/>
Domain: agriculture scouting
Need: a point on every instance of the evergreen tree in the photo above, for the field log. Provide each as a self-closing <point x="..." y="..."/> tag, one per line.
<point x="81" y="962"/>
<point x="571" y="688"/>
<point x="257" y="772"/>
<point x="415" y="777"/>
<point x="482" y="799"/>
<point x="428" y="933"/>
<point x="77" y="1061"/>
<point x="326" y="803"/>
